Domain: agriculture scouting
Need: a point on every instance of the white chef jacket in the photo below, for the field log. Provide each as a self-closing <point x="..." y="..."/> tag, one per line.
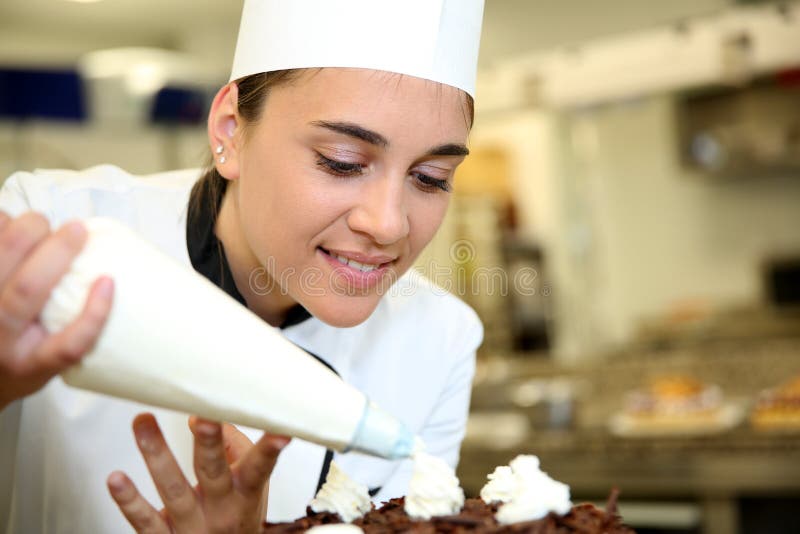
<point x="414" y="356"/>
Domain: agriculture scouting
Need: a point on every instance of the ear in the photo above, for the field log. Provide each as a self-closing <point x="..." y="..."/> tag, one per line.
<point x="224" y="130"/>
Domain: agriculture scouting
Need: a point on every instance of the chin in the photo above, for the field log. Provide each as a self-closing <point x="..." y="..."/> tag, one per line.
<point x="343" y="312"/>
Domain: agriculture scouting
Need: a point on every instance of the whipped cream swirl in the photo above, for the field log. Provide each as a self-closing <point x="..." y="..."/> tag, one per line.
<point x="501" y="486"/>
<point x="342" y="495"/>
<point x="434" y="489"/>
<point x="527" y="492"/>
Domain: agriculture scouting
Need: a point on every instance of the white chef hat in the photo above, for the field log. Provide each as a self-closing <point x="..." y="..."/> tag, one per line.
<point x="431" y="39"/>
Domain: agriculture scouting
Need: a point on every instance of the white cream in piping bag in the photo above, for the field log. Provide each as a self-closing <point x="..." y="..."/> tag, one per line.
<point x="342" y="495"/>
<point x="175" y="340"/>
<point x="527" y="492"/>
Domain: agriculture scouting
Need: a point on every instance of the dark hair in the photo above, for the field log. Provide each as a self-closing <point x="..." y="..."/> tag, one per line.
<point x="253" y="93"/>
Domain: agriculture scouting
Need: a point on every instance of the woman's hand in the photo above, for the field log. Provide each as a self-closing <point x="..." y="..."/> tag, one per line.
<point x="232" y="481"/>
<point x="32" y="261"/>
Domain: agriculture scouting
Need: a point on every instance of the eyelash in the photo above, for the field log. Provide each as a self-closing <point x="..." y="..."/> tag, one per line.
<point x="340" y="168"/>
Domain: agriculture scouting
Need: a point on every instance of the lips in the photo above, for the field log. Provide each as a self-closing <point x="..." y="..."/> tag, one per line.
<point x="358" y="260"/>
<point x="363" y="267"/>
<point x="357" y="270"/>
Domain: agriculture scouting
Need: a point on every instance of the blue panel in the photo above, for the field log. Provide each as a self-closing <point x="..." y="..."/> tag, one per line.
<point x="173" y="105"/>
<point x="41" y="94"/>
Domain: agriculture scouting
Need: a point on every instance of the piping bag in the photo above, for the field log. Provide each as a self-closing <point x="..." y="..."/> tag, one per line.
<point x="175" y="340"/>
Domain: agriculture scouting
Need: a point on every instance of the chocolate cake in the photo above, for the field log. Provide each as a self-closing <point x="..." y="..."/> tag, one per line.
<point x="476" y="516"/>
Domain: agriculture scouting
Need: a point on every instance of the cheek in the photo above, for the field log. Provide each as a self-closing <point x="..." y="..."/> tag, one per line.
<point x="425" y="215"/>
<point x="268" y="207"/>
<point x="282" y="209"/>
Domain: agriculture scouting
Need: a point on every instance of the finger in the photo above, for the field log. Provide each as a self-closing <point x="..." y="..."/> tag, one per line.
<point x="19" y="359"/>
<point x="4" y="220"/>
<point x="19" y="237"/>
<point x="180" y="500"/>
<point x="257" y="464"/>
<point x="140" y="514"/>
<point x="27" y="290"/>
<point x="65" y="348"/>
<point x="24" y="379"/>
<point x="236" y="443"/>
<point x="210" y="465"/>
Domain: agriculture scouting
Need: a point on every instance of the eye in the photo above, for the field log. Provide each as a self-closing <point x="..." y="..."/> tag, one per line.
<point x="431" y="185"/>
<point x="339" y="168"/>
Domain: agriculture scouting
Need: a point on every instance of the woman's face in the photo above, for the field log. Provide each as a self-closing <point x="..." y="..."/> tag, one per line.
<point x="340" y="186"/>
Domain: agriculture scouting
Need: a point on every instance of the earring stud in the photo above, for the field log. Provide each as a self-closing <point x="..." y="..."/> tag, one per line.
<point x="223" y="159"/>
<point x="219" y="149"/>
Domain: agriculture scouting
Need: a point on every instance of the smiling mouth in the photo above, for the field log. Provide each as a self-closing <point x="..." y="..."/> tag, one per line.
<point x="363" y="267"/>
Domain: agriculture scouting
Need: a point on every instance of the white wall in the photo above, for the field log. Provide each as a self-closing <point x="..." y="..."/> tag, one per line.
<point x="512" y="27"/>
<point x="139" y="150"/>
<point x="528" y="137"/>
<point x="639" y="233"/>
<point x="60" y="47"/>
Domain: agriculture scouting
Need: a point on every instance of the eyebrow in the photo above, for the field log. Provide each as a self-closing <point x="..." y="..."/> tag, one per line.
<point x="374" y="138"/>
<point x="354" y="130"/>
<point x="450" y="149"/>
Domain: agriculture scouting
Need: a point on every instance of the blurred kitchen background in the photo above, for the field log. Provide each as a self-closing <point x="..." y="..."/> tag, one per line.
<point x="628" y="226"/>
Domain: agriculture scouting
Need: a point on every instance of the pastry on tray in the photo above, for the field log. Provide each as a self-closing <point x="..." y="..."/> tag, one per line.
<point x="778" y="408"/>
<point x="675" y="404"/>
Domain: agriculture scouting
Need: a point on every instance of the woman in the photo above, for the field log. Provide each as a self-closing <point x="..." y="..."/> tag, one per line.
<point x="328" y="180"/>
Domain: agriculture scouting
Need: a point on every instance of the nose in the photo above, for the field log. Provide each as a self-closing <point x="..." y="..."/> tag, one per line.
<point x="380" y="210"/>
